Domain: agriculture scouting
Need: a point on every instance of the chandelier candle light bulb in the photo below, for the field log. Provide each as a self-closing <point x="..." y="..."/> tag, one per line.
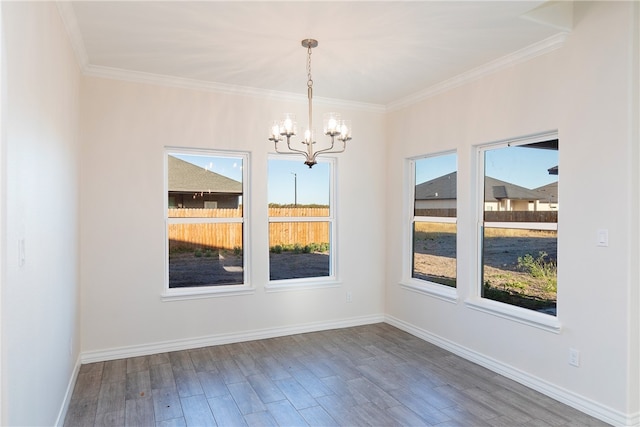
<point x="333" y="126"/>
<point x="308" y="137"/>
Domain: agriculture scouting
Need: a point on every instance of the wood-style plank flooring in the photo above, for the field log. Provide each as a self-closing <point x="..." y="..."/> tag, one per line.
<point x="375" y="375"/>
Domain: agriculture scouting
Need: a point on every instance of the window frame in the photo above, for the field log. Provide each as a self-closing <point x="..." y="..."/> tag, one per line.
<point x="332" y="280"/>
<point x="433" y="289"/>
<point x="197" y="292"/>
<point x="476" y="301"/>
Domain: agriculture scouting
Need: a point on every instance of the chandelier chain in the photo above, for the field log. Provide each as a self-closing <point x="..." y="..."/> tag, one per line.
<point x="309" y="79"/>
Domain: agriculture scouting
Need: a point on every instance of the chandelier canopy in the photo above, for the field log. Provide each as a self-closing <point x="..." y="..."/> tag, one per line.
<point x="333" y="126"/>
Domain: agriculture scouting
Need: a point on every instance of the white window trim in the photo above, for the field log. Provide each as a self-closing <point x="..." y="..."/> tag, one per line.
<point x="198" y="292"/>
<point x="425" y="287"/>
<point x="515" y="313"/>
<point x="496" y="308"/>
<point x="332" y="280"/>
<point x="298" y="284"/>
<point x="435" y="290"/>
<point x="180" y="294"/>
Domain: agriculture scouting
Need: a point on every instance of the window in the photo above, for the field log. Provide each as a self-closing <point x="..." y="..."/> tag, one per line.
<point x="433" y="223"/>
<point x="519" y="223"/>
<point x="301" y="220"/>
<point x="205" y="219"/>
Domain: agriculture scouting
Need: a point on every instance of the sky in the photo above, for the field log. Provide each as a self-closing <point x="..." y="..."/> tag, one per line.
<point x="429" y="168"/>
<point x="526" y="167"/>
<point x="288" y="178"/>
<point x="312" y="184"/>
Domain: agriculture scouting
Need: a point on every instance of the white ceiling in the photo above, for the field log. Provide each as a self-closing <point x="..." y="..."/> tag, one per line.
<point x="369" y="52"/>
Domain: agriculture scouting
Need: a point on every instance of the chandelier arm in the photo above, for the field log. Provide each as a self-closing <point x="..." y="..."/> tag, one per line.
<point x="285" y="152"/>
<point x="291" y="150"/>
<point x="295" y="150"/>
<point x="330" y="149"/>
<point x="282" y="152"/>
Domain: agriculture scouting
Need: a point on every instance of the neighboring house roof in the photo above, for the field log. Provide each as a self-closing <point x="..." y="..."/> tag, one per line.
<point x="495" y="189"/>
<point x="444" y="187"/>
<point x="187" y="177"/>
<point x="440" y="188"/>
<point x="550" y="192"/>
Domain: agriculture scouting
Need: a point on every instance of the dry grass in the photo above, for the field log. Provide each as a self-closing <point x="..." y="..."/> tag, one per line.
<point x="503" y="278"/>
<point x="439" y="227"/>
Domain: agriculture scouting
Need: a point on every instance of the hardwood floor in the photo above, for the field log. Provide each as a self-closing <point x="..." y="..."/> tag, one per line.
<point x="367" y="375"/>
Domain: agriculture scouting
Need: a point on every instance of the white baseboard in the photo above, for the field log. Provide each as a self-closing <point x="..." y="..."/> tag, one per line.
<point x="67" y="395"/>
<point x="567" y="397"/>
<point x="225" y="338"/>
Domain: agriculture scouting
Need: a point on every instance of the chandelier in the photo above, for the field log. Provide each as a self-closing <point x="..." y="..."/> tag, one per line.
<point x="333" y="126"/>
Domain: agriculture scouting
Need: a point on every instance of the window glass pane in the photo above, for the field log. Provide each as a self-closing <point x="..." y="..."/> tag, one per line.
<point x="521" y="183"/>
<point x="298" y="250"/>
<point x="520" y="267"/>
<point x="434" y="252"/>
<point x="204" y="186"/>
<point x="205" y="255"/>
<point x="435" y="186"/>
<point x="300" y="219"/>
<point x="519" y="262"/>
<point x="292" y="184"/>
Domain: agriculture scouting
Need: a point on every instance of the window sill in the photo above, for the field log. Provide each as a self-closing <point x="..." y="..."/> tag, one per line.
<point x="300" y="284"/>
<point x="206" y="292"/>
<point x="445" y="293"/>
<point x="517" y="314"/>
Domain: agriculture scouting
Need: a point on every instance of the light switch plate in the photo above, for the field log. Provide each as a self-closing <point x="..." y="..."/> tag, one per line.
<point x="603" y="237"/>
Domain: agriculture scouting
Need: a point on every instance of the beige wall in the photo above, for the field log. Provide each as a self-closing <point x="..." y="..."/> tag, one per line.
<point x="124" y="129"/>
<point x="40" y="299"/>
<point x="585" y="90"/>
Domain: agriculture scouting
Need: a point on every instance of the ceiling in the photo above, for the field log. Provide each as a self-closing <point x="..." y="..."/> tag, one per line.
<point x="369" y="52"/>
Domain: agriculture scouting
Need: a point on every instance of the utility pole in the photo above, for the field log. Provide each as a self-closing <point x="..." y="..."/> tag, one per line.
<point x="295" y="189"/>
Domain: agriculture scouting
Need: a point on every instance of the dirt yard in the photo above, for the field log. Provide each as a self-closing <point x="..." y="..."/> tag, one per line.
<point x="225" y="268"/>
<point x="186" y="269"/>
<point x="435" y="259"/>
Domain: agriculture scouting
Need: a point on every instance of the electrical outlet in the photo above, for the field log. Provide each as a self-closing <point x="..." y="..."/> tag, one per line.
<point x="349" y="297"/>
<point x="574" y="357"/>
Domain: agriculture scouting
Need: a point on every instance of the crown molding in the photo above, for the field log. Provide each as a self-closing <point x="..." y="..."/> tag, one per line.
<point x="545" y="46"/>
<point x="68" y="16"/>
<point x="221" y="88"/>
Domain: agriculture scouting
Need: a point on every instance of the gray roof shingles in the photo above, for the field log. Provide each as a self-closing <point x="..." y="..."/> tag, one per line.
<point x="444" y="187"/>
<point x="187" y="177"/>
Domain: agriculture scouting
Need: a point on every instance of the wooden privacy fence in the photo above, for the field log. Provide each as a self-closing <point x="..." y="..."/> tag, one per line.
<point x="229" y="235"/>
<point x="301" y="233"/>
<point x="497" y="216"/>
<point x="521" y="216"/>
<point x="205" y="213"/>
